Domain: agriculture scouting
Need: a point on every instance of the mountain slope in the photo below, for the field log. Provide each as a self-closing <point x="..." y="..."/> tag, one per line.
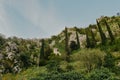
<point x="19" y="55"/>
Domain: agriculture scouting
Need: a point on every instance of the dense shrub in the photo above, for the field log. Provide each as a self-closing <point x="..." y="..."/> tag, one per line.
<point x="109" y="61"/>
<point x="101" y="74"/>
<point x="116" y="45"/>
<point x="53" y="66"/>
<point x="69" y="68"/>
<point x="25" y="60"/>
<point x="92" y="58"/>
<point x="116" y="70"/>
<point x="42" y="62"/>
<point x="60" y="76"/>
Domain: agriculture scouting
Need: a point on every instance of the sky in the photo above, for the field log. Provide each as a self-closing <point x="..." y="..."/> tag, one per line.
<point x="44" y="18"/>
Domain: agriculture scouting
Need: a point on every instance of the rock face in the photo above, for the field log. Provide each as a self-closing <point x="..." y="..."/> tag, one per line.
<point x="72" y="37"/>
<point x="56" y="52"/>
<point x="82" y="38"/>
<point x="10" y="56"/>
<point x="12" y="63"/>
<point x="11" y="47"/>
<point x="52" y="44"/>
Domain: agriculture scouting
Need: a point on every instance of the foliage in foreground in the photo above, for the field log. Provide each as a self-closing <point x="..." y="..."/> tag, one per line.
<point x="98" y="74"/>
<point x="60" y="76"/>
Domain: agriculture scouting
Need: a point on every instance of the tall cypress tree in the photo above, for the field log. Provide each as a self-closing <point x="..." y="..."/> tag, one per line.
<point x="77" y="37"/>
<point x="102" y="35"/>
<point x="41" y="52"/>
<point x="88" y="45"/>
<point x="93" y="39"/>
<point x="66" y="45"/>
<point x="109" y="31"/>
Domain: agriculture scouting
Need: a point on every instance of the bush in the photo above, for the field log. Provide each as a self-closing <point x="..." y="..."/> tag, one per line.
<point x="69" y="67"/>
<point x="109" y="61"/>
<point x="111" y="46"/>
<point x="42" y="62"/>
<point x="25" y="59"/>
<point x="116" y="70"/>
<point x="101" y="74"/>
<point x="72" y="76"/>
<point x="92" y="58"/>
<point x="53" y="66"/>
<point x="60" y="76"/>
<point x="116" y="45"/>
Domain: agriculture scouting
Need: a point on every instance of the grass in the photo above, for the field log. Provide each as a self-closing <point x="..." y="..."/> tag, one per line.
<point x="25" y="75"/>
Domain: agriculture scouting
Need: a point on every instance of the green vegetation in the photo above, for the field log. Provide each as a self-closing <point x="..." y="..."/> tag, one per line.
<point x="88" y="44"/>
<point x="77" y="37"/>
<point x="64" y="56"/>
<point x="102" y="35"/>
<point x="93" y="39"/>
<point x="109" y="31"/>
<point x="66" y="45"/>
<point x="42" y="54"/>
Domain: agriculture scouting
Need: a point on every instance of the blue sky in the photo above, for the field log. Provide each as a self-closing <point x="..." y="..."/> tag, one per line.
<point x="44" y="18"/>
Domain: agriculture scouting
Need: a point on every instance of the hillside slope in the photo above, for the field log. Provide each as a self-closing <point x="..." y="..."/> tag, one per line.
<point x="20" y="58"/>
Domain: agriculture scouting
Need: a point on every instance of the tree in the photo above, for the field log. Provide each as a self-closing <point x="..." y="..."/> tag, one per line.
<point x="77" y="37"/>
<point x="53" y="65"/>
<point x="93" y="39"/>
<point x="102" y="35"/>
<point x="25" y="60"/>
<point x="66" y="45"/>
<point x="88" y="45"/>
<point x="47" y="52"/>
<point x="41" y="52"/>
<point x="109" y="31"/>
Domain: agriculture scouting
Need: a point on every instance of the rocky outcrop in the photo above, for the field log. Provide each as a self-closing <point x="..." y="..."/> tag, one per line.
<point x="56" y="52"/>
<point x="11" y="62"/>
